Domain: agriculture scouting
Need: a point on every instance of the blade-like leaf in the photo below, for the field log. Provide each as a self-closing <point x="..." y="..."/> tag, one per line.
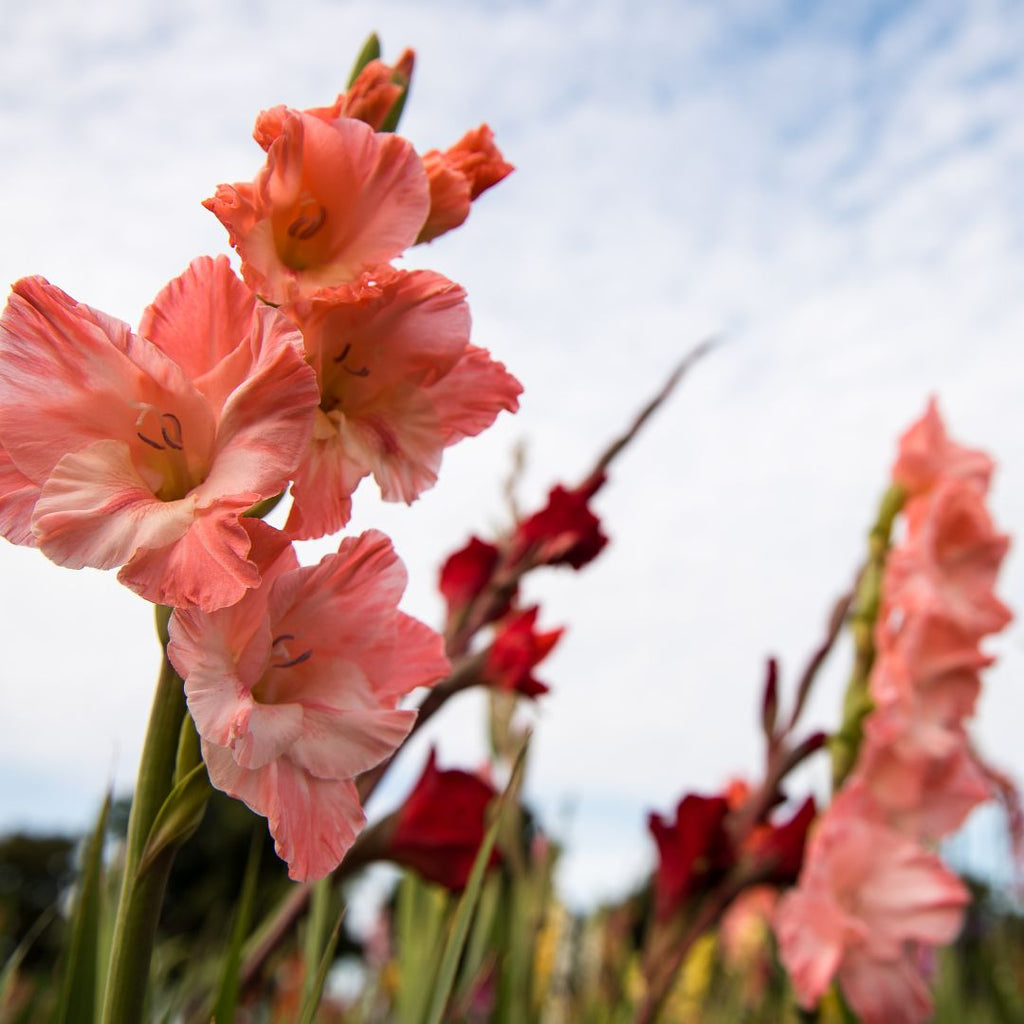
<point x="370" y="51"/>
<point x="312" y="1000"/>
<point x="227" y="993"/>
<point x="467" y="904"/>
<point x="178" y="818"/>
<point x="78" y="975"/>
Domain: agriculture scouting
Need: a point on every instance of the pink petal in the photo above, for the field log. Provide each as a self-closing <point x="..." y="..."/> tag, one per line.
<point x="18" y="497"/>
<point x="96" y="510"/>
<point x="420" y="659"/>
<point x="201" y="316"/>
<point x="265" y="423"/>
<point x="208" y="566"/>
<point x="265" y="733"/>
<point x="885" y="991"/>
<point x="323" y="484"/>
<point x="469" y="398"/>
<point x="340" y="743"/>
<point x="70" y="375"/>
<point x="811" y="931"/>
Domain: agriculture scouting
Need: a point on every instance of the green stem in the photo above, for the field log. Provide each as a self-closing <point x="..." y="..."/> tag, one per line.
<point x="857" y="703"/>
<point x="141" y="897"/>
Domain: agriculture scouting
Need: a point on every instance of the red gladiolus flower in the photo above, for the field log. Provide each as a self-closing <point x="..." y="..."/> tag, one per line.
<point x="439" y="828"/>
<point x="692" y="850"/>
<point x="779" y="849"/>
<point x="516" y="649"/>
<point x="466" y="573"/>
<point x="458" y="176"/>
<point x="564" y="532"/>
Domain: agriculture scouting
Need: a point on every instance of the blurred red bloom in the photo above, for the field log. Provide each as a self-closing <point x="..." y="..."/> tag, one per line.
<point x="466" y="572"/>
<point x="692" y="850"/>
<point x="517" y="648"/>
<point x="779" y="849"/>
<point x="564" y="532"/>
<point x="439" y="828"/>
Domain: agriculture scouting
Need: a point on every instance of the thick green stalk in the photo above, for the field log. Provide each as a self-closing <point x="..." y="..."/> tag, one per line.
<point x="138" y="909"/>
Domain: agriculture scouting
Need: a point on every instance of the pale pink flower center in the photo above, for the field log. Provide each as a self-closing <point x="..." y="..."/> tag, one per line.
<point x="286" y="652"/>
<point x="298" y="236"/>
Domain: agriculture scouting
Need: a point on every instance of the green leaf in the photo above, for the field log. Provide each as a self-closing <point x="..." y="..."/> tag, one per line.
<point x="467" y="904"/>
<point x="312" y="1000"/>
<point x="178" y="818"/>
<point x="316" y="930"/>
<point x="227" y="992"/>
<point x="370" y="51"/>
<point x="79" y="971"/>
<point x="10" y="972"/>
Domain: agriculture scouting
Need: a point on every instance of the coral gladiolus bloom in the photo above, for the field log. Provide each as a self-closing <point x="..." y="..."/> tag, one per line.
<point x="399" y="383"/>
<point x="458" y="176"/>
<point x="371" y="99"/>
<point x="439" y="828"/>
<point x="119" y="451"/>
<point x="926" y="455"/>
<point x="294" y="690"/>
<point x="948" y="565"/>
<point x="866" y="896"/>
<point x="335" y="198"/>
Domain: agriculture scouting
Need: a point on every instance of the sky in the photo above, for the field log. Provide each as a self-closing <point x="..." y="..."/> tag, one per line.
<point x="837" y="190"/>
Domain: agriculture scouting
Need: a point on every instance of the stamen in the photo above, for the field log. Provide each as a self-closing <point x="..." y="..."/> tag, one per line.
<point x="175" y="424"/>
<point x="304" y="656"/>
<point x="153" y="444"/>
<point x="280" y="639"/>
<point x="305" y="227"/>
<point x="363" y="371"/>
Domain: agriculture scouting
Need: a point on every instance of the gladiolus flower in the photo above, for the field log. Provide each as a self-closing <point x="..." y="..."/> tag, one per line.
<point x="466" y="573"/>
<point x="692" y="850"/>
<point x="440" y="827"/>
<point x="458" y="176"/>
<point x="866" y="896"/>
<point x="145" y="452"/>
<point x="949" y="564"/>
<point x="927" y="455"/>
<point x="777" y="851"/>
<point x="334" y="199"/>
<point x="294" y="690"/>
<point x="517" y="648"/>
<point x="370" y="99"/>
<point x="564" y="532"/>
<point x="399" y="382"/>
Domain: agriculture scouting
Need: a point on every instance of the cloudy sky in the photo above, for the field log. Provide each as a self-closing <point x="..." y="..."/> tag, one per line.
<point x="837" y="188"/>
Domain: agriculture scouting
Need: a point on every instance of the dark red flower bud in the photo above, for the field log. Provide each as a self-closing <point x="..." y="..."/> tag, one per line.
<point x="517" y="648"/>
<point x="693" y="850"/>
<point x="780" y="848"/>
<point x="564" y="532"/>
<point x="466" y="573"/>
<point x="440" y="827"/>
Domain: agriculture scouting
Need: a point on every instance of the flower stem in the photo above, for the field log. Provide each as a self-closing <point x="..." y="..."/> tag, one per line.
<point x="141" y="897"/>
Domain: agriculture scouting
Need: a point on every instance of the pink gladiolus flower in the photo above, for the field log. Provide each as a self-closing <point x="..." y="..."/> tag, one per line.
<point x="458" y="176"/>
<point x="866" y="896"/>
<point x="948" y="565"/>
<point x="399" y="382"/>
<point x="120" y="450"/>
<point x="927" y="455"/>
<point x="334" y="199"/>
<point x="294" y="690"/>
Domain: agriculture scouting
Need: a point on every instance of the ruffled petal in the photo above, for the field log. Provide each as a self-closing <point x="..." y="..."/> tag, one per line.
<point x="96" y="510"/>
<point x="340" y="743"/>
